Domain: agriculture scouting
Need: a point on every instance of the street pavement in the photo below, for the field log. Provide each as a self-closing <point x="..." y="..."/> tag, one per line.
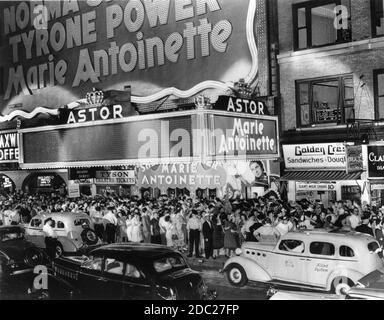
<point x="210" y="268"/>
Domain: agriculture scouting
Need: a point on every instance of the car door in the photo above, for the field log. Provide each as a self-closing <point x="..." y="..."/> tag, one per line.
<point x="113" y="275"/>
<point x="137" y="285"/>
<point x="290" y="261"/>
<point x="91" y="281"/>
<point x="322" y="262"/>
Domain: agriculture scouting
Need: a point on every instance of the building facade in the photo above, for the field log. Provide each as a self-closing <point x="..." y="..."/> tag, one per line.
<point x="90" y="70"/>
<point x="331" y="61"/>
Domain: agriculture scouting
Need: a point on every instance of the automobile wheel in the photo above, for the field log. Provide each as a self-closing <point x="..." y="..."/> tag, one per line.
<point x="236" y="275"/>
<point x="33" y="257"/>
<point x="89" y="237"/>
<point x="59" y="251"/>
<point x="341" y="285"/>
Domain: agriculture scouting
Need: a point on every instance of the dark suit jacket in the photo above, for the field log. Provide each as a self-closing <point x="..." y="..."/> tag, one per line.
<point x="207" y="230"/>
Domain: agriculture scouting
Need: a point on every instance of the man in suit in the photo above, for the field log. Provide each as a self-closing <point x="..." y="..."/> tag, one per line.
<point x="208" y="235"/>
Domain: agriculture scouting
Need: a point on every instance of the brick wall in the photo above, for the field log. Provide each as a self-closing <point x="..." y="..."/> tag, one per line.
<point x="355" y="58"/>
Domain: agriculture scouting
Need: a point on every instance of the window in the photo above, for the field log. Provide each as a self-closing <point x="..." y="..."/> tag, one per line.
<point x="292" y="246"/>
<point x="35" y="223"/>
<point x="373" y="246"/>
<point x="325" y="100"/>
<point x="322" y="248"/>
<point x="321" y="23"/>
<point x="345" y="251"/>
<point x="377" y="16"/>
<point x="378" y="80"/>
<point x="114" y="266"/>
<point x="53" y="223"/>
<point x="60" y="225"/>
<point x="94" y="263"/>
<point x="132" y="272"/>
<point x="169" y="263"/>
<point x="80" y="222"/>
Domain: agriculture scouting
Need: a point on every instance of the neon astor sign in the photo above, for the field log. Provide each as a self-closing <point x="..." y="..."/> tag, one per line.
<point x="149" y="44"/>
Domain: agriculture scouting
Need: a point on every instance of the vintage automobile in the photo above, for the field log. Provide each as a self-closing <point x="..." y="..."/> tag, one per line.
<point x="370" y="287"/>
<point x="133" y="272"/>
<point x="17" y="255"/>
<point x="318" y="260"/>
<point x="74" y="231"/>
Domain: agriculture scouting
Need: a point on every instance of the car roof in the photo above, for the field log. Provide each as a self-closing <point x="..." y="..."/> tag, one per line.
<point x="350" y="237"/>
<point x="10" y="228"/>
<point x="140" y="250"/>
<point x="63" y="215"/>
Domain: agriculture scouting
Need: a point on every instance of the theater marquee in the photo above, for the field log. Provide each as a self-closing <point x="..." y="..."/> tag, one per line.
<point x="150" y="45"/>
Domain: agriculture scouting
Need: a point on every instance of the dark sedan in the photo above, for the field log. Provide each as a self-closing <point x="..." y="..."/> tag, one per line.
<point x="132" y="272"/>
<point x="17" y="255"/>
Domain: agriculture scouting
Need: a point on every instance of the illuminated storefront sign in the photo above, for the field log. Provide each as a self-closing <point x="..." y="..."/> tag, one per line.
<point x="316" y="155"/>
<point x="108" y="144"/>
<point x="241" y="105"/>
<point x="9" y="147"/>
<point x="116" y="177"/>
<point x="250" y="137"/>
<point x="53" y="52"/>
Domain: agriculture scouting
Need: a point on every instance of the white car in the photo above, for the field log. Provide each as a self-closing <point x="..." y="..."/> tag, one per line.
<point x="318" y="260"/>
<point x="74" y="231"/>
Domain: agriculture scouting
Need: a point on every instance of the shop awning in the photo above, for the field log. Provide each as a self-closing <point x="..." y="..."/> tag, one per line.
<point x="320" y="176"/>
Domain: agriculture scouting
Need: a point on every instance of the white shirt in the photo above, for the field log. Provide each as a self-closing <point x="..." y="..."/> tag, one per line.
<point x="283" y="228"/>
<point x="110" y="218"/>
<point x="48" y="231"/>
<point x="354" y="220"/>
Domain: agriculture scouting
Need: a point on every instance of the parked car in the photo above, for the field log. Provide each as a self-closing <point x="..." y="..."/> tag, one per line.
<point x="133" y="272"/>
<point x="17" y="255"/>
<point x="317" y="260"/>
<point x="74" y="231"/>
<point x="370" y="287"/>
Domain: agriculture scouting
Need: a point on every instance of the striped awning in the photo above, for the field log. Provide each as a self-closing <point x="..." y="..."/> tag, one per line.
<point x="320" y="176"/>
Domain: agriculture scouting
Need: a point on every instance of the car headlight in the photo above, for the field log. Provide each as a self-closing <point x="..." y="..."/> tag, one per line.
<point x="238" y="251"/>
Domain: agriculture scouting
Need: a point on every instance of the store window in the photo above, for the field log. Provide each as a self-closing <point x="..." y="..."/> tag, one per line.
<point x="325" y="101"/>
<point x="377" y="16"/>
<point x="378" y="80"/>
<point x="352" y="193"/>
<point x="320" y="23"/>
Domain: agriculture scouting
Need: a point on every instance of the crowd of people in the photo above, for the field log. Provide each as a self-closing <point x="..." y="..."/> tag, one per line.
<point x="199" y="227"/>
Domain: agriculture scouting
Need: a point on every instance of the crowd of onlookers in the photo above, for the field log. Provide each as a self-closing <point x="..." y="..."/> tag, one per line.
<point x="209" y="227"/>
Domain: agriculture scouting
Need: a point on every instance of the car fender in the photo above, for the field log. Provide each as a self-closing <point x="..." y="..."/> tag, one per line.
<point x="253" y="270"/>
<point x="68" y="244"/>
<point x="354" y="275"/>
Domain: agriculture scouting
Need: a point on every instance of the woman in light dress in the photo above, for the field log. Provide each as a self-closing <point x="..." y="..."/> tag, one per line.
<point x="137" y="229"/>
<point x="170" y="231"/>
<point x="128" y="224"/>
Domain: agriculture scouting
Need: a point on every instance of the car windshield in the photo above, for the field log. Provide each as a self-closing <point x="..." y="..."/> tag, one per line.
<point x="169" y="263"/>
<point x="373" y="280"/>
<point x="12" y="235"/>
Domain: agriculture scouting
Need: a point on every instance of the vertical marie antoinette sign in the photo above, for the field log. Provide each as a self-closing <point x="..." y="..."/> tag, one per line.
<point x="53" y="52"/>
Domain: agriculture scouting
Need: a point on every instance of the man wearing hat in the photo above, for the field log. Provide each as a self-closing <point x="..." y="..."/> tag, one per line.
<point x="364" y="227"/>
<point x="111" y="224"/>
<point x="50" y="238"/>
<point x="194" y="228"/>
<point x="208" y="235"/>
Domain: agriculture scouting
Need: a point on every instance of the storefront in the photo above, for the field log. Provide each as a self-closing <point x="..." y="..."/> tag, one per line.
<point x="375" y="160"/>
<point x="202" y="152"/>
<point x="319" y="172"/>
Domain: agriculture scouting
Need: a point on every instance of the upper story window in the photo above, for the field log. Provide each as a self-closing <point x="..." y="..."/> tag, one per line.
<point x="325" y="101"/>
<point x="378" y="80"/>
<point x="377" y="7"/>
<point x="321" y="22"/>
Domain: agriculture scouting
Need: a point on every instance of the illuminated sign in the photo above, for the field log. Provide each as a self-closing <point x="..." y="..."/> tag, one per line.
<point x="53" y="52"/>
<point x="315" y="155"/>
<point x="9" y="147"/>
<point x="241" y="105"/>
<point x="251" y="137"/>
